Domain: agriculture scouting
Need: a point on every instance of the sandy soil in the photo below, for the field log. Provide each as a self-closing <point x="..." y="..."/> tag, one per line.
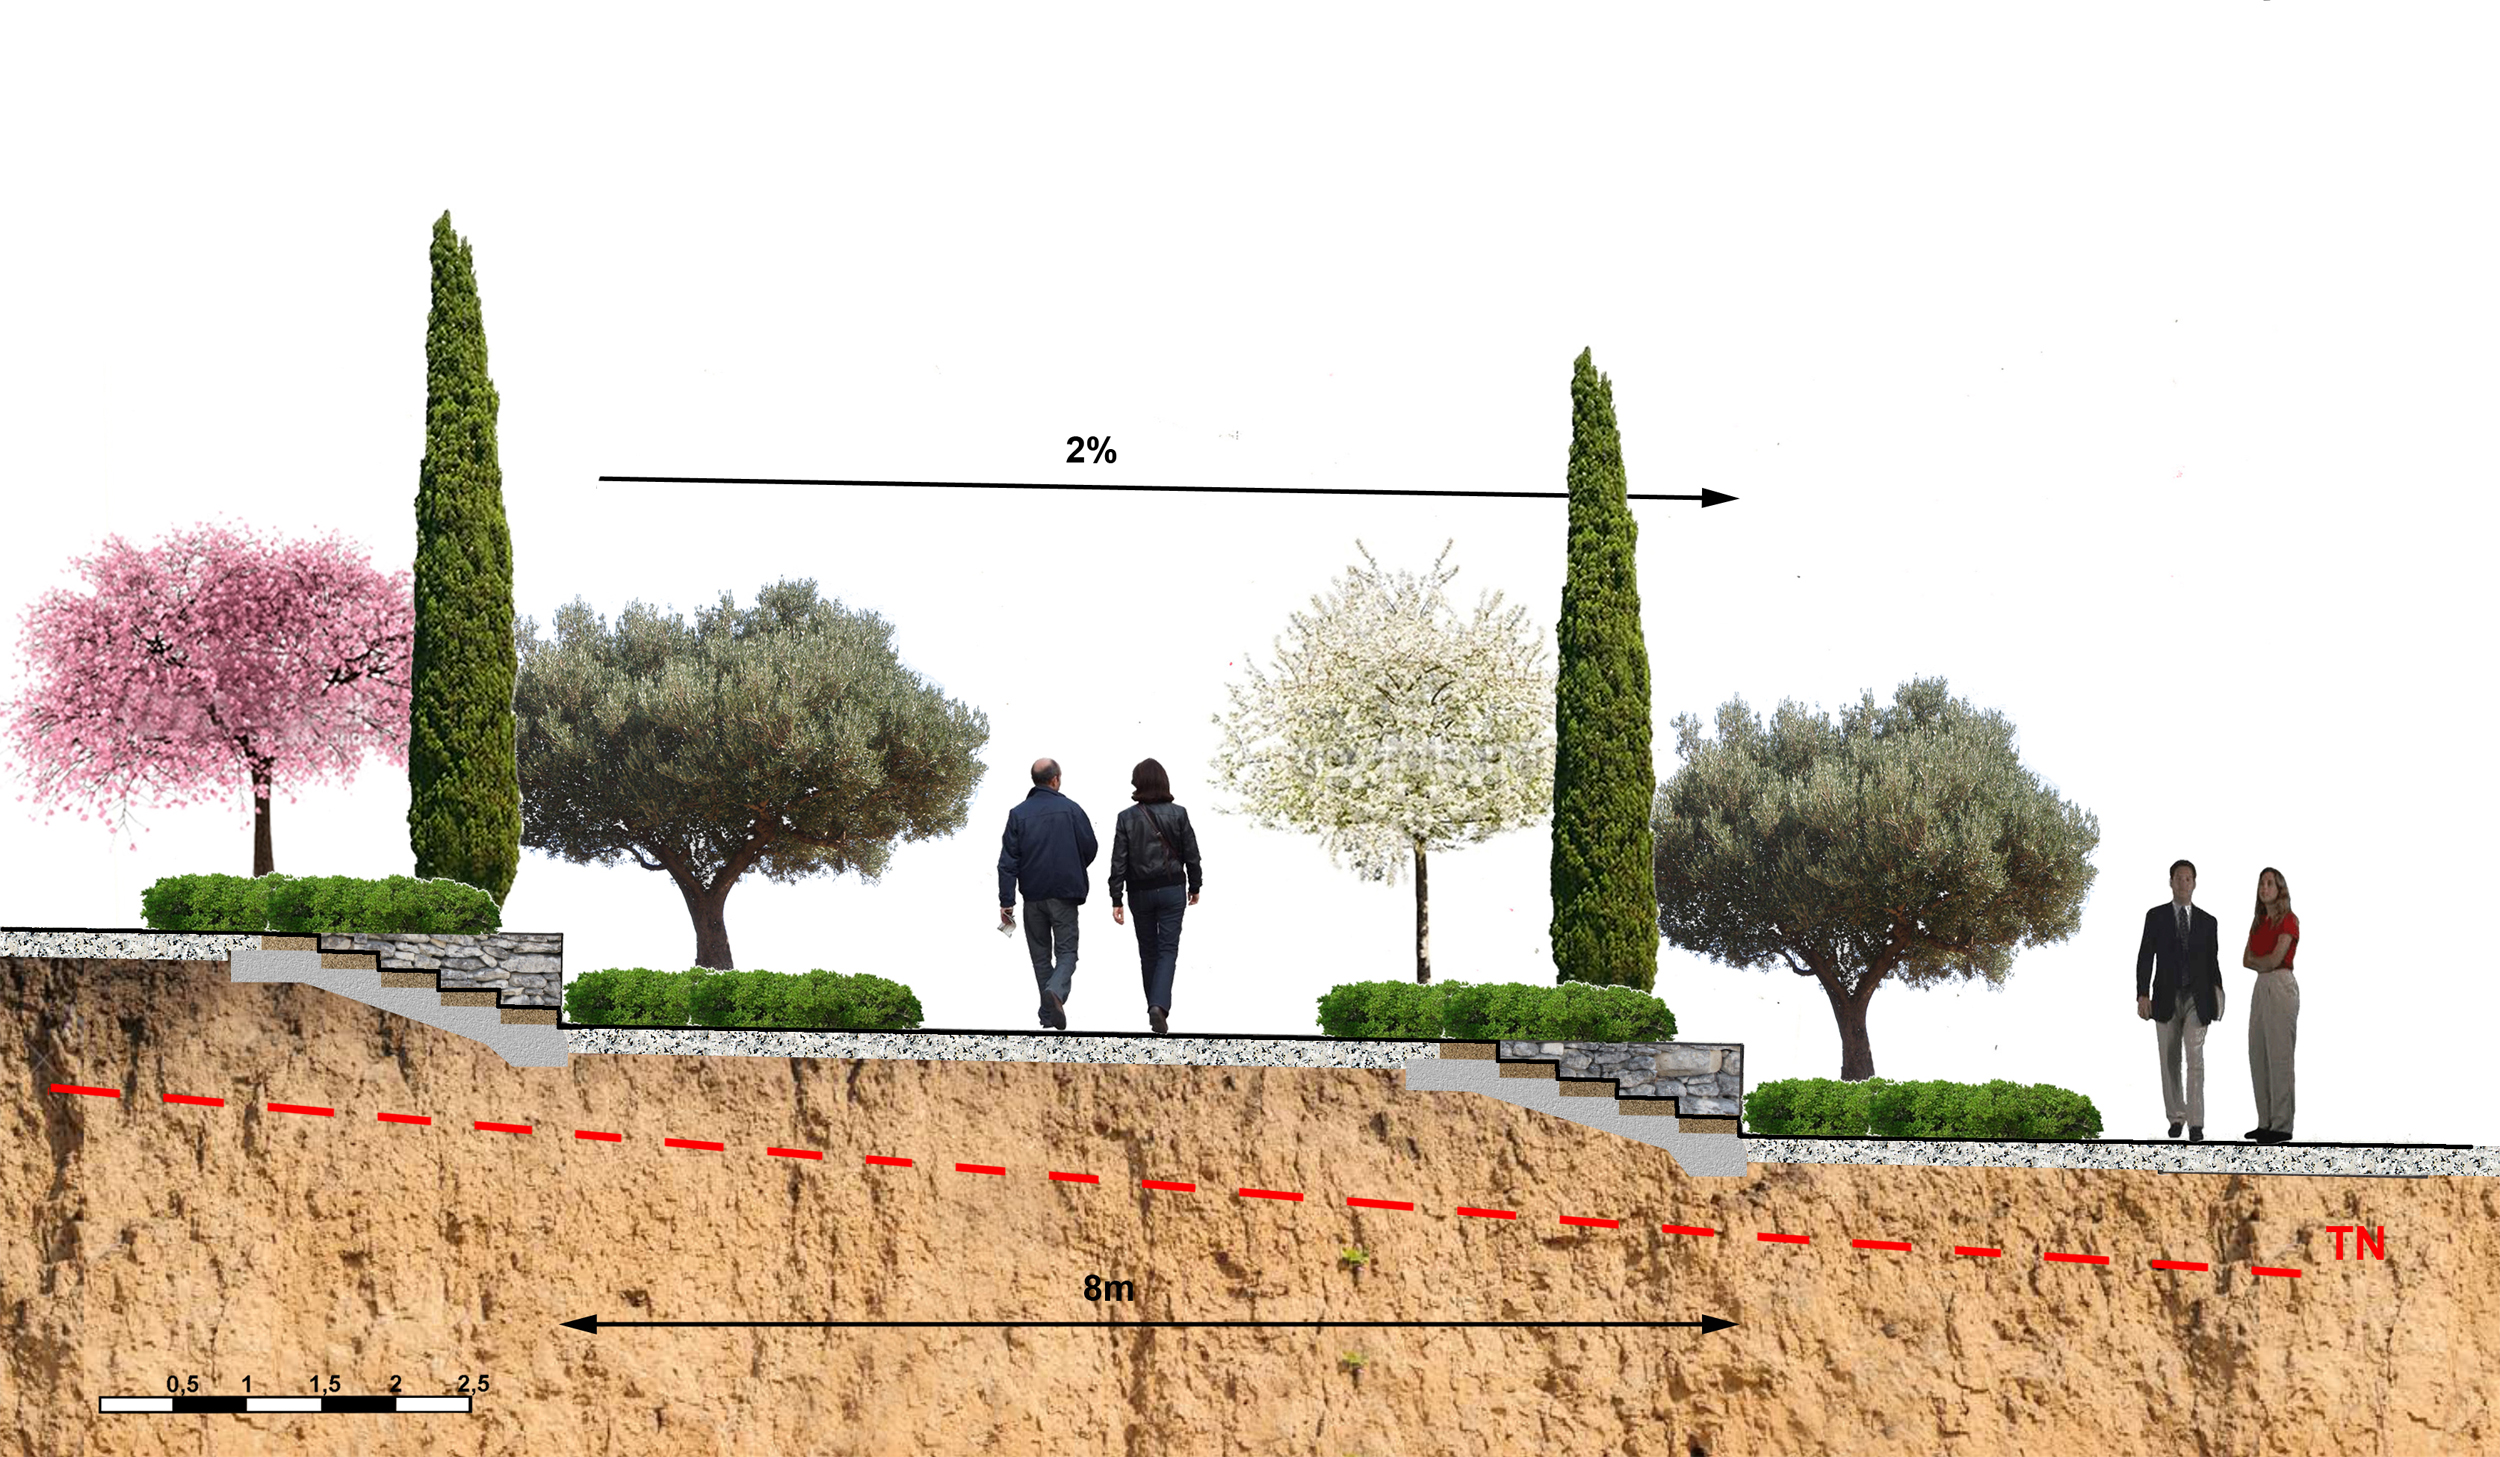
<point x="153" y="1239"/>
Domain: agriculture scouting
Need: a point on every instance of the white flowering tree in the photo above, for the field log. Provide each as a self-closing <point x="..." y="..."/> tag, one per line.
<point x="1395" y="729"/>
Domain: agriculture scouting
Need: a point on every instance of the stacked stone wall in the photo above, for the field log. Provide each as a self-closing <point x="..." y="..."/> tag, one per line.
<point x="1706" y="1078"/>
<point x="525" y="968"/>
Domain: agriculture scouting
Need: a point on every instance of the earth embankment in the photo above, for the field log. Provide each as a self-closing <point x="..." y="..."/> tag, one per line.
<point x="156" y="1239"/>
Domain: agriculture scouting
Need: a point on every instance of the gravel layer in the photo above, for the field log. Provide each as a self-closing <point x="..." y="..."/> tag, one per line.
<point x="2179" y="1157"/>
<point x="124" y="945"/>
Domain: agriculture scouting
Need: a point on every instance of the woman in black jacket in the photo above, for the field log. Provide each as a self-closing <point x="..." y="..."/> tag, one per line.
<point x="1153" y="850"/>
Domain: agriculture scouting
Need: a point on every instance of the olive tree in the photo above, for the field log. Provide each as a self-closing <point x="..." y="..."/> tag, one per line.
<point x="786" y="739"/>
<point x="1906" y="843"/>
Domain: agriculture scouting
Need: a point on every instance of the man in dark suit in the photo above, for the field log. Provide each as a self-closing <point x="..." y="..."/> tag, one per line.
<point x="2178" y="984"/>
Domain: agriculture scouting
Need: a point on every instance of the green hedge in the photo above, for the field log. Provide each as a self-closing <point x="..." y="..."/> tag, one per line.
<point x="1877" y="1107"/>
<point x="336" y="904"/>
<point x="702" y="997"/>
<point x="632" y="996"/>
<point x="1498" y="1011"/>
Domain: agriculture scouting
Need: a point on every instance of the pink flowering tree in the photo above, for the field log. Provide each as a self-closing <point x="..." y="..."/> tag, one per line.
<point x="214" y="661"/>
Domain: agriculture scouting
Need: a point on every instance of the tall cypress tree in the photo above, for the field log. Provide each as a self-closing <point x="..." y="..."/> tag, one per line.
<point x="1605" y="927"/>
<point x="464" y="788"/>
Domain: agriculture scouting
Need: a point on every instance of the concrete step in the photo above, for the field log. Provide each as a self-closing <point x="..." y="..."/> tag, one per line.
<point x="522" y="1036"/>
<point x="1712" y="1155"/>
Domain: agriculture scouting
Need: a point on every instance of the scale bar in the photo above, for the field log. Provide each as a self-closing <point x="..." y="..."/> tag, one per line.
<point x="243" y="1405"/>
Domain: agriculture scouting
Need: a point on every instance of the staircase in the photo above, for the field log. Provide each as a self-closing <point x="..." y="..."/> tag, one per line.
<point x="1702" y="1147"/>
<point x="522" y="1036"/>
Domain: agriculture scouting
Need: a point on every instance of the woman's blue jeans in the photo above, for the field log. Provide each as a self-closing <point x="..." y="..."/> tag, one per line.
<point x="1157" y="916"/>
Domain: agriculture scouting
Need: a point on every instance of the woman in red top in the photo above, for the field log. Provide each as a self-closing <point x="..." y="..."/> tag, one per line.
<point x="2274" y="1010"/>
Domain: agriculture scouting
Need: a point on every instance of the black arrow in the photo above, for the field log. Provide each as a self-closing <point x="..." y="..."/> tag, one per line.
<point x="1707" y="498"/>
<point x="1708" y="1323"/>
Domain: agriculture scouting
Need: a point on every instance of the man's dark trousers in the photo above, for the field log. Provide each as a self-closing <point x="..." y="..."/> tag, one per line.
<point x="1047" y="921"/>
<point x="1157" y="913"/>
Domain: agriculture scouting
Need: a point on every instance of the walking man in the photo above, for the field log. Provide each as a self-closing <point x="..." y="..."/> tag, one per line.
<point x="2178" y="984"/>
<point x="1049" y="843"/>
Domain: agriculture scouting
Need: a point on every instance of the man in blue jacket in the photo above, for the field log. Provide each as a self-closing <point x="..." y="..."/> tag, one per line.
<point x="1049" y="843"/>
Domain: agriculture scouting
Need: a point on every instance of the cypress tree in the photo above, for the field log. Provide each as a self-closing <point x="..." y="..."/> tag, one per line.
<point x="1605" y="927"/>
<point x="464" y="790"/>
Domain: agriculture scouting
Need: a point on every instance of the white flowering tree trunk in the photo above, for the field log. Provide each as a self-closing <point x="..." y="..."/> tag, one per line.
<point x="1423" y="922"/>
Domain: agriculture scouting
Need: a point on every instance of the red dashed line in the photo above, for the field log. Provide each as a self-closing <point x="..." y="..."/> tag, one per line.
<point x="2280" y="1272"/>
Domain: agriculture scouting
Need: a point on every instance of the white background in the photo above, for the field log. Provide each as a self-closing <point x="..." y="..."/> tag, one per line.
<point x="2129" y="368"/>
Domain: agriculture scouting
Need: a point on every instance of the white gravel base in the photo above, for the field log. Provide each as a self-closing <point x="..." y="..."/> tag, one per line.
<point x="124" y="945"/>
<point x="2182" y="1157"/>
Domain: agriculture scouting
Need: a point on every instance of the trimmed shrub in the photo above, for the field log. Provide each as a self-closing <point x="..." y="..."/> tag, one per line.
<point x="639" y="997"/>
<point x="1495" y="1010"/>
<point x="1998" y="1109"/>
<point x="1918" y="1110"/>
<point x="307" y="905"/>
<point x="1499" y="1011"/>
<point x="1811" y="1107"/>
<point x="831" y="999"/>
<point x="1384" y="1009"/>
<point x="735" y="999"/>
<point x="647" y="998"/>
<point x="1570" y="1012"/>
<point x="1877" y="1107"/>
<point x="592" y="998"/>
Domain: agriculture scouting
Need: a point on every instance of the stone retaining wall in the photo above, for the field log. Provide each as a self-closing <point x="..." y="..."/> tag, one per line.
<point x="1706" y="1078"/>
<point x="526" y="967"/>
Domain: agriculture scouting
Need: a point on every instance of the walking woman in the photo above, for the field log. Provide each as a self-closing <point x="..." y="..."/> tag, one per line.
<point x="1153" y="850"/>
<point x="2274" y="1012"/>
